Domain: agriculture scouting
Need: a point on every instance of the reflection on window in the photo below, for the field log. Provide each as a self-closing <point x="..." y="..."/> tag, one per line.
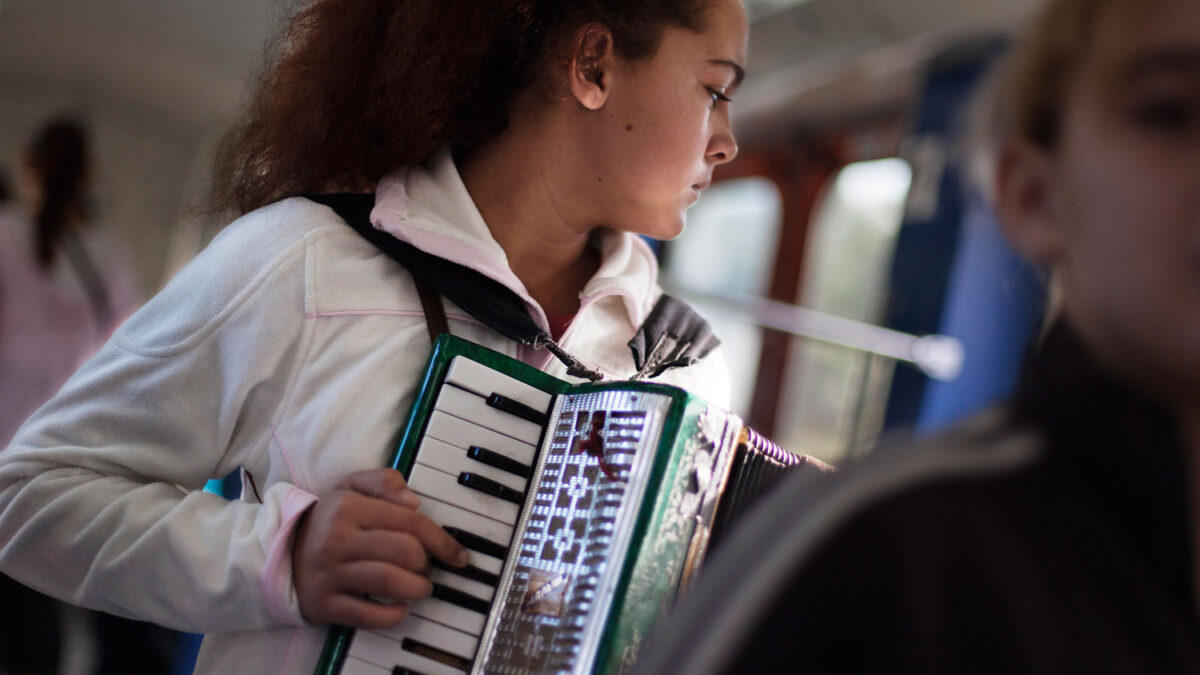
<point x="728" y="248"/>
<point x="833" y="398"/>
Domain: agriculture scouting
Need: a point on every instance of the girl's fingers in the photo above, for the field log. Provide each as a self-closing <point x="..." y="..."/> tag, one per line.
<point x="397" y="548"/>
<point x="356" y="611"/>
<point x="380" y="580"/>
<point x="386" y="484"/>
<point x="438" y="542"/>
<point x="366" y="538"/>
<point x="378" y="515"/>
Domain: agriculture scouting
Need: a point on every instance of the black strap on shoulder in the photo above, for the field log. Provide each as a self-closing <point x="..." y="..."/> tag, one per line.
<point x="484" y="298"/>
<point x="673" y="336"/>
<point x="434" y="308"/>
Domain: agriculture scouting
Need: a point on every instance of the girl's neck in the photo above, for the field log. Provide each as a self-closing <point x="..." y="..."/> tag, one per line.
<point x="517" y="183"/>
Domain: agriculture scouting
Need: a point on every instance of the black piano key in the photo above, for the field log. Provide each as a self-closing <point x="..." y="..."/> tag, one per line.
<point x="464" y="600"/>
<point x="469" y="572"/>
<point x="401" y="670"/>
<point x="490" y="487"/>
<point x="499" y="461"/>
<point x="515" y="407"/>
<point x="434" y="654"/>
<point x="477" y="543"/>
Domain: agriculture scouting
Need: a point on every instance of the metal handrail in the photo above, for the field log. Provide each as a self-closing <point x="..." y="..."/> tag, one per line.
<point x="938" y="356"/>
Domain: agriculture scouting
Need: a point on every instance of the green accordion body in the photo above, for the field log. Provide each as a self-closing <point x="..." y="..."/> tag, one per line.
<point x="628" y="481"/>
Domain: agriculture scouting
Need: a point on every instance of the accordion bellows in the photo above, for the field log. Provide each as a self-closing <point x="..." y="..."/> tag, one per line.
<point x="586" y="509"/>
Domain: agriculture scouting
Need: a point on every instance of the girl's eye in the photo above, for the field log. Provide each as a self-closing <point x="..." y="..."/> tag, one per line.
<point x="1167" y="115"/>
<point x="717" y="96"/>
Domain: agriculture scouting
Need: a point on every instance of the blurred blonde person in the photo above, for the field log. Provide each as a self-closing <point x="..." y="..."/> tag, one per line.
<point x="1057" y="533"/>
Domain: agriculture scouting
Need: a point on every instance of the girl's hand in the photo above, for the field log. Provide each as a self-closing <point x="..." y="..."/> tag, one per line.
<point x="366" y="538"/>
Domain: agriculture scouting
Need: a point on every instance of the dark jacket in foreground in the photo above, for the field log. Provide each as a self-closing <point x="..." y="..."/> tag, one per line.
<point x="1049" y="536"/>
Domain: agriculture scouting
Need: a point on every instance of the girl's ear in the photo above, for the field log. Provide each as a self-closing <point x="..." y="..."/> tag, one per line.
<point x="590" y="70"/>
<point x="1025" y="202"/>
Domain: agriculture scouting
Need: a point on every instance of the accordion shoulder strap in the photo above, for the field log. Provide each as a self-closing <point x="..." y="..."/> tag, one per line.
<point x="355" y="209"/>
<point x="484" y="298"/>
<point x="673" y="336"/>
<point x="435" y="310"/>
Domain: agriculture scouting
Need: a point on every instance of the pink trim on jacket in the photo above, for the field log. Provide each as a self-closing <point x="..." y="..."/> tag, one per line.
<point x="277" y="574"/>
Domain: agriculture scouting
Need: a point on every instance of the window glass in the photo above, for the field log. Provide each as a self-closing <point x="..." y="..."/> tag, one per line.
<point x="833" y="397"/>
<point x="728" y="249"/>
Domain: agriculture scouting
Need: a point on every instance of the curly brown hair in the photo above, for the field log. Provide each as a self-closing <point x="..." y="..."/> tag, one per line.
<point x="353" y="89"/>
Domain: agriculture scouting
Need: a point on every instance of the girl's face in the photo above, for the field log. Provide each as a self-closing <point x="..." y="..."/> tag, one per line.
<point x="666" y="125"/>
<point x="1124" y="194"/>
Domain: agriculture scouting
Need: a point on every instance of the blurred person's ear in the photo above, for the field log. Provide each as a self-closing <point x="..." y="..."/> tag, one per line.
<point x="1024" y="202"/>
<point x="591" y="65"/>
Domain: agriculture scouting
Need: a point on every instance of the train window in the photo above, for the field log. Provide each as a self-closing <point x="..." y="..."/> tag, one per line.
<point x="833" y="397"/>
<point x="728" y="250"/>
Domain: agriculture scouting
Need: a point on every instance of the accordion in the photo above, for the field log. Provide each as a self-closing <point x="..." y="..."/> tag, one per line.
<point x="584" y="507"/>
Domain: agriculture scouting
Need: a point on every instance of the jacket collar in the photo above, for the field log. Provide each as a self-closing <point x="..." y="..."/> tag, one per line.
<point x="430" y="208"/>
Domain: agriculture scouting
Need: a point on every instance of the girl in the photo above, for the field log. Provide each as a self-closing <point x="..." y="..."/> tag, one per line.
<point x="530" y="141"/>
<point x="1059" y="533"/>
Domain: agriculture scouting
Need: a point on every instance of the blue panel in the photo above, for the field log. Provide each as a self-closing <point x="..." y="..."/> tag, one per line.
<point x="994" y="306"/>
<point x="947" y="277"/>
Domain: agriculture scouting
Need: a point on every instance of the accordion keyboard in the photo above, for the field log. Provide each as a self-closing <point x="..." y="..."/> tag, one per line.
<point x="472" y="469"/>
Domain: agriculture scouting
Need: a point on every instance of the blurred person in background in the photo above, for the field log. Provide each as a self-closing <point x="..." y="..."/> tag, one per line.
<point x="63" y="289"/>
<point x="30" y="624"/>
<point x="1057" y="533"/>
<point x="63" y="285"/>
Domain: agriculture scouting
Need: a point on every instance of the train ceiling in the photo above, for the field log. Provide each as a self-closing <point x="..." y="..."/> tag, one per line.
<point x="813" y="62"/>
<point x="183" y="63"/>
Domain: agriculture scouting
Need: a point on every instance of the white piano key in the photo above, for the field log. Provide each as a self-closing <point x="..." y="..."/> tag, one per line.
<point x="438" y="455"/>
<point x="443" y="486"/>
<point x="433" y="634"/>
<point x="450" y="614"/>
<point x="377" y="649"/>
<point x="448" y="515"/>
<point x="484" y="381"/>
<point x="468" y="406"/>
<point x="485" y="562"/>
<point x="475" y="588"/>
<point x="464" y="434"/>
<point x="356" y="666"/>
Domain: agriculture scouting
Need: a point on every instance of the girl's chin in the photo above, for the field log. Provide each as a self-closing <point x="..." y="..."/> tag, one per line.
<point x="666" y="225"/>
<point x="671" y="231"/>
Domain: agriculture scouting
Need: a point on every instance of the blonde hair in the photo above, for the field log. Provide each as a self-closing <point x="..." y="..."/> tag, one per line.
<point x="1022" y="98"/>
<point x="1033" y="82"/>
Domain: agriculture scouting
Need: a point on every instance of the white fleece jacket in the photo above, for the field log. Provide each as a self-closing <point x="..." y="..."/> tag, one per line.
<point x="290" y="347"/>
